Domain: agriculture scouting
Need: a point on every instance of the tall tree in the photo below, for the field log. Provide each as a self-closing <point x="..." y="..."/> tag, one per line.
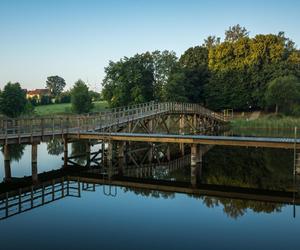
<point x="211" y="41"/>
<point x="163" y="64"/>
<point x="241" y="69"/>
<point x="55" y="84"/>
<point x="129" y="81"/>
<point x="80" y="98"/>
<point x="235" y="32"/>
<point x="13" y="100"/>
<point x="283" y="93"/>
<point x="187" y="84"/>
<point x="194" y="57"/>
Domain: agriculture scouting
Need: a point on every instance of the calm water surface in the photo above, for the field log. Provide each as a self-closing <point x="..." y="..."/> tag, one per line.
<point x="104" y="217"/>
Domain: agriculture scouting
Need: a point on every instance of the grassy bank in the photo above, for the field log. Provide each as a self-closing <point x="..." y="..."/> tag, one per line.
<point x="65" y="108"/>
<point x="266" y="126"/>
<point x="267" y="122"/>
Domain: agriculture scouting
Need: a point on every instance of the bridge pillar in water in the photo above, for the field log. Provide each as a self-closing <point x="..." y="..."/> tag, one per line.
<point x="88" y="154"/>
<point x="195" y="124"/>
<point x="150" y="152"/>
<point x="168" y="152"/>
<point x="34" y="170"/>
<point x="181" y="131"/>
<point x="103" y="155"/>
<point x="109" y="154"/>
<point x="196" y="164"/>
<point x="65" y="140"/>
<point x="7" y="168"/>
<point x="121" y="157"/>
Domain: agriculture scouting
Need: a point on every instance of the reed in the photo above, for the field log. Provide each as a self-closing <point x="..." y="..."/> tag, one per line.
<point x="268" y="122"/>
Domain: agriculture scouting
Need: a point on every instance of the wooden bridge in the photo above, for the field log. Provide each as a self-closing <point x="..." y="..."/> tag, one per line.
<point x="25" y="198"/>
<point x="145" y="116"/>
<point x="153" y="123"/>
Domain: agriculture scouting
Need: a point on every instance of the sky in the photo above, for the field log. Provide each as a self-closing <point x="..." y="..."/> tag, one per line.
<point x="77" y="38"/>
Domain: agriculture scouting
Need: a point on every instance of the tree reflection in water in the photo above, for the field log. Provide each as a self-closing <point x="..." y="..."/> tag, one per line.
<point x="16" y="151"/>
<point x="55" y="147"/>
<point x="260" y="168"/>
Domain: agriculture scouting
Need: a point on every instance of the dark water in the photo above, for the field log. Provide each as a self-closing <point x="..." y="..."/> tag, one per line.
<point x="96" y="216"/>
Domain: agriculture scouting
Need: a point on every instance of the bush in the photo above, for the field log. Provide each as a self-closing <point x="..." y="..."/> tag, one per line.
<point x="45" y="100"/>
<point x="283" y="93"/>
<point x="13" y="100"/>
<point x="80" y="98"/>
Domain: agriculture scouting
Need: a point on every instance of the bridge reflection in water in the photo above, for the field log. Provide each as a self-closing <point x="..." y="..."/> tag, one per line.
<point x="144" y="178"/>
<point x="141" y="148"/>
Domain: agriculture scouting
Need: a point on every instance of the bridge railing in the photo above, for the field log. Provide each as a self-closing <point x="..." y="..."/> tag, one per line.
<point x="96" y="121"/>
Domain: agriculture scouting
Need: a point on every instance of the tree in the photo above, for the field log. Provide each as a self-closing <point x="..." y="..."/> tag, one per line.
<point x="55" y="84"/>
<point x="129" y="81"/>
<point x="211" y="41"/>
<point x="45" y="100"/>
<point x="194" y="57"/>
<point x="235" y="32"/>
<point x="80" y="98"/>
<point x="16" y="151"/>
<point x="95" y="95"/>
<point x="163" y="64"/>
<point x="241" y="69"/>
<point x="187" y="85"/>
<point x="55" y="147"/>
<point x="63" y="97"/>
<point x="283" y="93"/>
<point x="175" y="89"/>
<point x="34" y="100"/>
<point x="13" y="100"/>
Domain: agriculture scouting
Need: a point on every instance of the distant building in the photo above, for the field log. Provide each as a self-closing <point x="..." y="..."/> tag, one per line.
<point x="38" y="93"/>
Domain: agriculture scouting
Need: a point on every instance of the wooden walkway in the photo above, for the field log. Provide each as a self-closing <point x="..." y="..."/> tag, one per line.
<point x="97" y="125"/>
<point x="287" y="143"/>
<point x="28" y="130"/>
<point x="26" y="198"/>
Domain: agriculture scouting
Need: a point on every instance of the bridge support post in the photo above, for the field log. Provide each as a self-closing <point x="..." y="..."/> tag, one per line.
<point x="196" y="163"/>
<point x="34" y="153"/>
<point x="7" y="168"/>
<point x="109" y="154"/>
<point x="65" y="140"/>
<point x="168" y="152"/>
<point x="103" y="156"/>
<point x="121" y="157"/>
<point x="195" y="124"/>
<point x="88" y="154"/>
<point x="150" y="152"/>
<point x="181" y="131"/>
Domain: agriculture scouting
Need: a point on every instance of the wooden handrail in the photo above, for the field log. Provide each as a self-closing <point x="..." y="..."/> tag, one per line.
<point x="93" y="121"/>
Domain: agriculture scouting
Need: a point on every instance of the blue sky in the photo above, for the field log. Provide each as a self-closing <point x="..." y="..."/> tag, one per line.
<point x="77" y="38"/>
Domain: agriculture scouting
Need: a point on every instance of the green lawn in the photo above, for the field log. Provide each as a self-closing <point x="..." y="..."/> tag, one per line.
<point x="267" y="122"/>
<point x="266" y="126"/>
<point x="65" y="108"/>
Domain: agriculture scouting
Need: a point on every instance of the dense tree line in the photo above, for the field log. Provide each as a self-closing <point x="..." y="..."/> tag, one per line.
<point x="234" y="73"/>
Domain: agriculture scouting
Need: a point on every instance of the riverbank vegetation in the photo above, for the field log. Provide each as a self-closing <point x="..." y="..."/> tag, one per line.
<point x="235" y="73"/>
<point x="267" y="125"/>
<point x="66" y="108"/>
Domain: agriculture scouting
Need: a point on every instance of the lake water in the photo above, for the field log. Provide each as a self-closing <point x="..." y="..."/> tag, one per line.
<point x="127" y="217"/>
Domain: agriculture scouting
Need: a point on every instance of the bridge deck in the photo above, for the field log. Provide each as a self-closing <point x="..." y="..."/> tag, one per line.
<point x="287" y="143"/>
<point x="26" y="130"/>
<point x="286" y="197"/>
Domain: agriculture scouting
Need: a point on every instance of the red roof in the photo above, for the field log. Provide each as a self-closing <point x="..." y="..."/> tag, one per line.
<point x="38" y="92"/>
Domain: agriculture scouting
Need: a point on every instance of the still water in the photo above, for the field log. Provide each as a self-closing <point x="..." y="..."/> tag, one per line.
<point x="94" y="216"/>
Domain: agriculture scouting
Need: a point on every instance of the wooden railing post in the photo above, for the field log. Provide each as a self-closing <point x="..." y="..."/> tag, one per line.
<point x="42" y="127"/>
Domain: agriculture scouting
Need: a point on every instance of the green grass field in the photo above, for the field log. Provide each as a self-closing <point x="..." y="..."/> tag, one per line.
<point x="267" y="122"/>
<point x="268" y="125"/>
<point x="65" y="108"/>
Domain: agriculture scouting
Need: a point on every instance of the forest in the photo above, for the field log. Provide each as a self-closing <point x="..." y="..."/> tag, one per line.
<point x="241" y="72"/>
